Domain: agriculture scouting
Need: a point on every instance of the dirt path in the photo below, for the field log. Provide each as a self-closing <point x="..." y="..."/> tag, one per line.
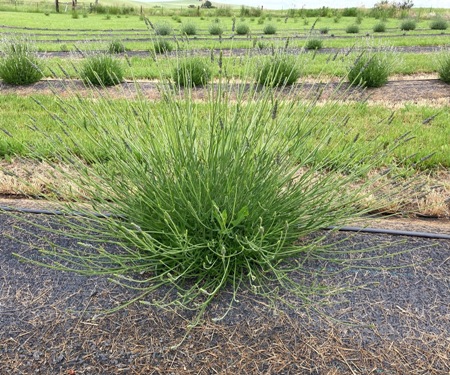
<point x="418" y="89"/>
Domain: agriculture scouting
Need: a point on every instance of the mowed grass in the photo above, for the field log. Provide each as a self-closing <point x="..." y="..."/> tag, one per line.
<point x="428" y="147"/>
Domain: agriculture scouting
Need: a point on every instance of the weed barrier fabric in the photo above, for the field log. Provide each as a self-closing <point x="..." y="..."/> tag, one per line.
<point x="396" y="320"/>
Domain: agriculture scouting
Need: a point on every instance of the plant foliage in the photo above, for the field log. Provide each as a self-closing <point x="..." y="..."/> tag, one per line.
<point x="370" y="70"/>
<point x="162" y="46"/>
<point x="379" y="28"/>
<point x="439" y="24"/>
<point x="189" y="29"/>
<point x="19" y="65"/>
<point x="444" y="67"/>
<point x="314" y="44"/>
<point x="116" y="46"/>
<point x="352" y="29"/>
<point x="279" y="70"/>
<point x="102" y="70"/>
<point x="269" y="29"/>
<point x="408" y="25"/>
<point x="191" y="72"/>
<point x="215" y="29"/>
<point x="163" y="29"/>
<point x="242" y="29"/>
<point x="206" y="196"/>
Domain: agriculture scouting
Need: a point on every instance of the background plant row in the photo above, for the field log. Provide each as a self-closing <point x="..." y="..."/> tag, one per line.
<point x="311" y="65"/>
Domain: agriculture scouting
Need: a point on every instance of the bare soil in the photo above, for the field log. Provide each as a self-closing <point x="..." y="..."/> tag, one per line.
<point x="416" y="89"/>
<point x="395" y="321"/>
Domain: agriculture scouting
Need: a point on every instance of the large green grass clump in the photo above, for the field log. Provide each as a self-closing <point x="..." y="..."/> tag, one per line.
<point x="19" y="65"/>
<point x="102" y="70"/>
<point x="202" y="196"/>
<point x="279" y="70"/>
<point x="408" y="25"/>
<point x="191" y="72"/>
<point x="439" y="24"/>
<point x="444" y="67"/>
<point x="370" y="70"/>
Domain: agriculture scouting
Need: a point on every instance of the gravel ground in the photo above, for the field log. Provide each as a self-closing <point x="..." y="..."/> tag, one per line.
<point x="395" y="321"/>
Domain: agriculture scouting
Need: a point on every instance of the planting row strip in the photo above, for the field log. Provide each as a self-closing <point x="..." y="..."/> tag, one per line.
<point x="230" y="52"/>
<point x="204" y="36"/>
<point x="307" y="90"/>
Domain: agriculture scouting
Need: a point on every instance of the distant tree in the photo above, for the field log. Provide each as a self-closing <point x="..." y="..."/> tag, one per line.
<point x="207" y="4"/>
<point x="406" y="4"/>
<point x="57" y="6"/>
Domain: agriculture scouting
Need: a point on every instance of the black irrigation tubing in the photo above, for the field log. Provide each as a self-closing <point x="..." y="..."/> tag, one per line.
<point x="392" y="232"/>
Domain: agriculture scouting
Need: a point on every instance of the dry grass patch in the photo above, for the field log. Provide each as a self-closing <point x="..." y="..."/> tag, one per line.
<point x="423" y="194"/>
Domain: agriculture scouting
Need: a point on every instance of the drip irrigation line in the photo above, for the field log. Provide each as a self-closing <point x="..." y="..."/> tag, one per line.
<point x="57" y="212"/>
<point x="392" y="232"/>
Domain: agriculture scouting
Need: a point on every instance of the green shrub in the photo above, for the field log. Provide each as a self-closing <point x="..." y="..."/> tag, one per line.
<point x="163" y="29"/>
<point x="223" y="12"/>
<point x="102" y="70"/>
<point x="116" y="46"/>
<point x="19" y="65"/>
<point x="191" y="72"/>
<point x="75" y="14"/>
<point x="379" y="28"/>
<point x="352" y="29"/>
<point x="439" y="24"/>
<point x="215" y="29"/>
<point x="189" y="29"/>
<point x="279" y="70"/>
<point x="350" y="12"/>
<point x="162" y="46"/>
<point x="324" y="30"/>
<point x="370" y="70"/>
<point x="314" y="44"/>
<point x="408" y="25"/>
<point x="444" y="67"/>
<point x="269" y="29"/>
<point x="242" y="29"/>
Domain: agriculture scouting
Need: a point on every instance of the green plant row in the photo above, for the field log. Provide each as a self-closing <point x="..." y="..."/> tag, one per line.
<point x="23" y="66"/>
